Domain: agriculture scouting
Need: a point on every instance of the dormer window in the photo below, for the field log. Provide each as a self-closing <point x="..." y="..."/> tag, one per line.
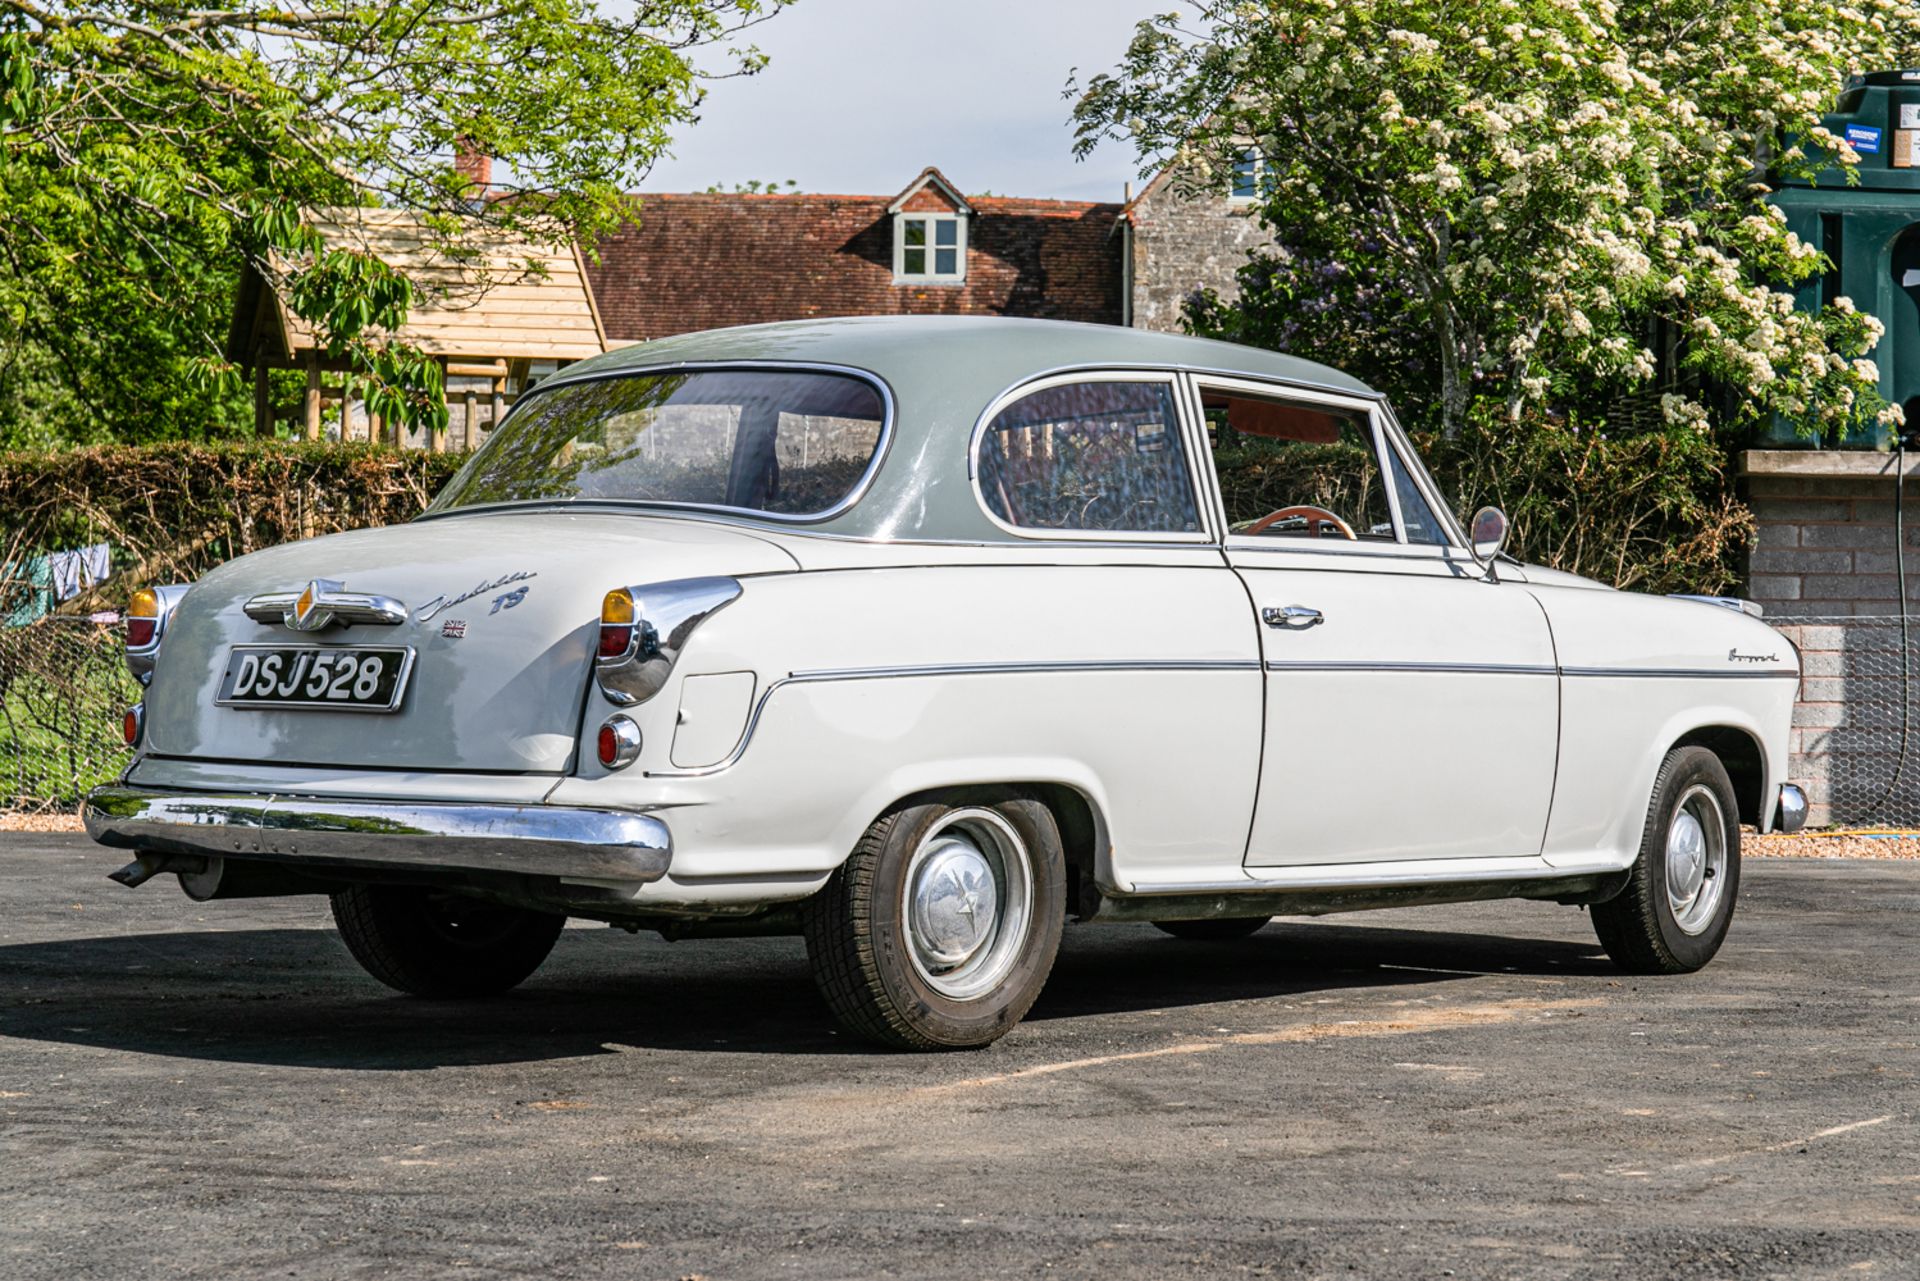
<point x="930" y="247"/>
<point x="930" y="232"/>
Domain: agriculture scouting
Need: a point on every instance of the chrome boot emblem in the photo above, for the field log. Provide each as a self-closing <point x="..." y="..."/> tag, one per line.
<point x="323" y="603"/>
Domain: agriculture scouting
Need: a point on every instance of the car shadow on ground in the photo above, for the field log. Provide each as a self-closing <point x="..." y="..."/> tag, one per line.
<point x="292" y="997"/>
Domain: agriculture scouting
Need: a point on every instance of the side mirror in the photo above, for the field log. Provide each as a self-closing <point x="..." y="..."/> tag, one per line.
<point x="1488" y="535"/>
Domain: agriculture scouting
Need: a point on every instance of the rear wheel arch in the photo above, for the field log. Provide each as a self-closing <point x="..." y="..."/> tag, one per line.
<point x="1744" y="759"/>
<point x="1084" y="834"/>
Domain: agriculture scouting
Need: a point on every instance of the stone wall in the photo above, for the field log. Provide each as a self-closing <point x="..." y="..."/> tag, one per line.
<point x="1823" y="569"/>
<point x="1183" y="242"/>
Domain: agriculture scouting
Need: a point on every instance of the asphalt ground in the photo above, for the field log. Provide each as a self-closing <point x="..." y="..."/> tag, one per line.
<point x="216" y="1090"/>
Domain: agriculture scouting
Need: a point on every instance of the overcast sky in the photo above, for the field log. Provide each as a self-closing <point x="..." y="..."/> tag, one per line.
<point x="860" y="95"/>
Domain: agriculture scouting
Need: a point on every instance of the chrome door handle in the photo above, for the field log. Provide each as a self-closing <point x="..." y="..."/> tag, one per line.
<point x="1292" y="617"/>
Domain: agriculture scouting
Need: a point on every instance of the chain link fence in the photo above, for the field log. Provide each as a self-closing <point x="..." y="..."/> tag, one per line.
<point x="64" y="685"/>
<point x="1856" y="728"/>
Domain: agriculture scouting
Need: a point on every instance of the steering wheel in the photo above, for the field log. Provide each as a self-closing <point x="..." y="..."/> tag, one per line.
<point x="1318" y="520"/>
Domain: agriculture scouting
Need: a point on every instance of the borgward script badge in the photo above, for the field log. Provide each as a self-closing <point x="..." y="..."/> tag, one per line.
<point x="439" y="603"/>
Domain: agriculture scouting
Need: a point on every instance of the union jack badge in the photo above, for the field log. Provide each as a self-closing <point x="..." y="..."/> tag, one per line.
<point x="454" y="628"/>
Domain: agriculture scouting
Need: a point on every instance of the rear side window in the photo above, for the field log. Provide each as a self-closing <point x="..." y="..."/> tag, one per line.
<point x="1098" y="456"/>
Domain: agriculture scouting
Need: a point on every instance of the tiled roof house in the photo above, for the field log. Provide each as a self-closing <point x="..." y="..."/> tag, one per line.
<point x="701" y="261"/>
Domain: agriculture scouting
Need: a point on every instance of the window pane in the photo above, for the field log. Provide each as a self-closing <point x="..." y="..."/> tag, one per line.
<point x="913" y="262"/>
<point x="1305" y="461"/>
<point x="1245" y="174"/>
<point x="946" y="232"/>
<point x="1415" y="514"/>
<point x="1098" y="456"/>
<point x="946" y="262"/>
<point x="790" y="443"/>
<point x="916" y="231"/>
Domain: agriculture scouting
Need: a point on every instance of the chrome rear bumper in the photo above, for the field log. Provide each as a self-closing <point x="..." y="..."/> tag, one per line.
<point x="1793" y="809"/>
<point x="532" y="840"/>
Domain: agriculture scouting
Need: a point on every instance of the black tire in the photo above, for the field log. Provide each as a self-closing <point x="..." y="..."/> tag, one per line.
<point x="434" y="944"/>
<point x="1641" y="928"/>
<point x="1218" y="931"/>
<point x="857" y="927"/>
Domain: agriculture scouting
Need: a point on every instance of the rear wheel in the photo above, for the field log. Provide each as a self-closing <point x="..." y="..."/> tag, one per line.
<point x="1674" y="912"/>
<point x="941" y="927"/>
<point x="435" y="944"/>
<point x="1219" y="931"/>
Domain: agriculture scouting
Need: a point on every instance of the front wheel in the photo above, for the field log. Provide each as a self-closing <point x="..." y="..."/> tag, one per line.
<point x="431" y="943"/>
<point x="1674" y="912"/>
<point x="941" y="927"/>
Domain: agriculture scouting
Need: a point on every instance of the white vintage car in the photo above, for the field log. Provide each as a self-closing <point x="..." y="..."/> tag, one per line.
<point x="922" y="637"/>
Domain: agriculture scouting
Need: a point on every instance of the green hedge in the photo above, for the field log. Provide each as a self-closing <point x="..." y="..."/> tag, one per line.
<point x="171" y="512"/>
<point x="1652" y="510"/>
<point x="1649" y="510"/>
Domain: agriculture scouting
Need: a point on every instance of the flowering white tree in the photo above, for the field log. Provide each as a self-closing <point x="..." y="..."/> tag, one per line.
<point x="1538" y="201"/>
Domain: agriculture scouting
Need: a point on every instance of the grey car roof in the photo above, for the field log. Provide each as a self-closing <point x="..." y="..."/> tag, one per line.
<point x="943" y="372"/>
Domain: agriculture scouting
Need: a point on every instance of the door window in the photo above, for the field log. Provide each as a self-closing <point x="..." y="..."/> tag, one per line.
<point x="1297" y="470"/>
<point x="1090" y="456"/>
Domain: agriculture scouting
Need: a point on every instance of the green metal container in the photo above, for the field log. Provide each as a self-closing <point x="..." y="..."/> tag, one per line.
<point x="1871" y="231"/>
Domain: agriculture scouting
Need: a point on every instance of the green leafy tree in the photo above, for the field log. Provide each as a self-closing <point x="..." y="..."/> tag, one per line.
<point x="1524" y="203"/>
<point x="149" y="151"/>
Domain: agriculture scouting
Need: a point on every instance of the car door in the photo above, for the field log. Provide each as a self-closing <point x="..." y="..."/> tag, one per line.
<point x="1142" y="661"/>
<point x="1412" y="707"/>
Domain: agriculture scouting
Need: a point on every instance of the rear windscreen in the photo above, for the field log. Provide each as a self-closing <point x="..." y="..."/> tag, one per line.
<point x="786" y="443"/>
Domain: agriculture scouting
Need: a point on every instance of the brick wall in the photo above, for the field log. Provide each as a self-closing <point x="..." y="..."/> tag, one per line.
<point x="1823" y="569"/>
<point x="1825" y="545"/>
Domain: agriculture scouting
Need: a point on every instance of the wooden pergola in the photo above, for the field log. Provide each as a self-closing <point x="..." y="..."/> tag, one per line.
<point x="494" y="313"/>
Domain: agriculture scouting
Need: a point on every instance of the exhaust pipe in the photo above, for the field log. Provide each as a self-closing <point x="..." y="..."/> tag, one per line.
<point x="148" y="866"/>
<point x="204" y="878"/>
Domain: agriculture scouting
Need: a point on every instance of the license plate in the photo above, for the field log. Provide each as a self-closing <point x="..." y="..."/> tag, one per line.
<point x="316" y="678"/>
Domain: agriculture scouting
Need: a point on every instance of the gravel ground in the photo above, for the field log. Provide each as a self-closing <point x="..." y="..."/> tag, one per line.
<point x="39" y="821"/>
<point x="1824" y="845"/>
<point x="215" y="1091"/>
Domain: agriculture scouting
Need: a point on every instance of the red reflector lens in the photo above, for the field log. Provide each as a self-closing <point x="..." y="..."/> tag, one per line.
<point x="139" y="633"/>
<point x="614" y="641"/>
<point x="130" y="726"/>
<point x="609" y="745"/>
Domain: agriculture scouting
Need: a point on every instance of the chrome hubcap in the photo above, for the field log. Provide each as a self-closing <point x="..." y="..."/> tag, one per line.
<point x="1696" y="859"/>
<point x="968" y="903"/>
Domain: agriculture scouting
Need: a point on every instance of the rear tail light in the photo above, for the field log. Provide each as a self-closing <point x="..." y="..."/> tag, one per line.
<point x="147" y="614"/>
<point x="143" y="618"/>
<point x="619" y="742"/>
<point x="643" y="630"/>
<point x="616" y="623"/>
